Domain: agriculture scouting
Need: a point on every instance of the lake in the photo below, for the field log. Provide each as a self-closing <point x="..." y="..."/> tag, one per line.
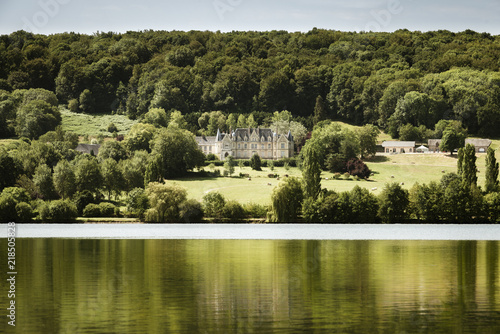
<point x="255" y="286"/>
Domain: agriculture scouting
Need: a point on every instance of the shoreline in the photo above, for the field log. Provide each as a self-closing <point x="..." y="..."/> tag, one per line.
<point x="261" y="231"/>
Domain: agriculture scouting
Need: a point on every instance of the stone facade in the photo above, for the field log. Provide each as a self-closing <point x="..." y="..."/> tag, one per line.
<point x="244" y="143"/>
<point x="398" y="146"/>
<point x="481" y="145"/>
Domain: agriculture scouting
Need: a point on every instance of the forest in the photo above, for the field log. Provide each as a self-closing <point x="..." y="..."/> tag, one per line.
<point x="391" y="80"/>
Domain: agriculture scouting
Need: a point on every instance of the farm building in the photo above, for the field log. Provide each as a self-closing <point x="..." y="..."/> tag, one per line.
<point x="398" y="146"/>
<point x="481" y="145"/>
<point x="244" y="143"/>
<point x="88" y="148"/>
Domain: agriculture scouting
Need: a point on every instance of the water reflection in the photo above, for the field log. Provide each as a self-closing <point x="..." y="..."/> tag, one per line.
<point x="213" y="286"/>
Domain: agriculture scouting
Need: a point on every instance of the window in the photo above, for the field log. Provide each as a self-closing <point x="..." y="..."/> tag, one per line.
<point x="262" y="146"/>
<point x="282" y="145"/>
<point x="282" y="154"/>
<point x="239" y="145"/>
<point x="245" y="145"/>
<point x="386" y="150"/>
<point x="269" y="146"/>
<point x="210" y="148"/>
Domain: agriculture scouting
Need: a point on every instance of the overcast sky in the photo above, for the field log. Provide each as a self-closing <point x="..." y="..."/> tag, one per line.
<point x="89" y="16"/>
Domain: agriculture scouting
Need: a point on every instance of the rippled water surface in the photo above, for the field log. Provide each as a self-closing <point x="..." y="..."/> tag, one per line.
<point x="256" y="286"/>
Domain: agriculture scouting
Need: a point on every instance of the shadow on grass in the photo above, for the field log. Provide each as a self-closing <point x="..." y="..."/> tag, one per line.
<point x="377" y="159"/>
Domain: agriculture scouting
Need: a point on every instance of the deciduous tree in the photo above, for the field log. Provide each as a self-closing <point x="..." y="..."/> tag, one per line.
<point x="286" y="201"/>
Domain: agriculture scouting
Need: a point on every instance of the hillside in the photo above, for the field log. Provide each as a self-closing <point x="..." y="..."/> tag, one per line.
<point x="389" y="79"/>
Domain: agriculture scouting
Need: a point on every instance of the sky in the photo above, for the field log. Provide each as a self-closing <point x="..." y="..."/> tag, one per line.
<point x="90" y="16"/>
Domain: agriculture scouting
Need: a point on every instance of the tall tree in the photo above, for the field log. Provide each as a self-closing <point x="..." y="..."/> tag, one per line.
<point x="368" y="140"/>
<point x="319" y="113"/>
<point x="64" y="179"/>
<point x="469" y="169"/>
<point x="178" y="150"/>
<point x="112" y="176"/>
<point x="491" y="183"/>
<point x="88" y="175"/>
<point x="43" y="181"/>
<point x="452" y="139"/>
<point x="311" y="169"/>
<point x="165" y="201"/>
<point x="393" y="204"/>
<point x="36" y="118"/>
<point x="286" y="201"/>
<point x="229" y="165"/>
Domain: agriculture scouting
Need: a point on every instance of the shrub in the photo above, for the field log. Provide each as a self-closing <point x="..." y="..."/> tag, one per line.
<point x="137" y="202"/>
<point x="112" y="128"/>
<point x="233" y="210"/>
<point x="212" y="157"/>
<point x="191" y="211"/>
<point x="216" y="163"/>
<point x="92" y="210"/>
<point x="7" y="208"/>
<point x="82" y="199"/>
<point x="270" y="164"/>
<point x="43" y="211"/>
<point x="24" y="212"/>
<point x="253" y="210"/>
<point x="256" y="163"/>
<point x="213" y="204"/>
<point x="108" y="209"/>
<point x="62" y="210"/>
<point x="356" y="167"/>
<point x="336" y="176"/>
<point x="346" y="176"/>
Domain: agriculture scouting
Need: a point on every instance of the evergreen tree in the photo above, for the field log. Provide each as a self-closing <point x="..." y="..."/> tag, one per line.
<point x="491" y="183"/>
<point x="319" y="113"/>
<point x="469" y="169"/>
<point x="255" y="162"/>
<point x="460" y="161"/>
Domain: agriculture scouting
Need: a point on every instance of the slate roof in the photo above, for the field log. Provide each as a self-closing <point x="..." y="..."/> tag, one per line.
<point x="87" y="148"/>
<point x="478" y="142"/>
<point x="395" y="143"/>
<point x="205" y="140"/>
<point x="240" y="134"/>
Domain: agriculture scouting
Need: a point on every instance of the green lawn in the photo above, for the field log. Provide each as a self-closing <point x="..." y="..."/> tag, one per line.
<point x="94" y="125"/>
<point x="402" y="168"/>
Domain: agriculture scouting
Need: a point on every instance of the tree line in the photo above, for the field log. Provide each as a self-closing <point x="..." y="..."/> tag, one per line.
<point x="394" y="80"/>
<point x="455" y="198"/>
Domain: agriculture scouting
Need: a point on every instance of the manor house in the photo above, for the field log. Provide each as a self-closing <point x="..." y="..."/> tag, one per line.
<point x="244" y="143"/>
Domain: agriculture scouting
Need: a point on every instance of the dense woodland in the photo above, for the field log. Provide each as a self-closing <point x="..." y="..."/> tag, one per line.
<point x="387" y="79"/>
<point x="412" y="85"/>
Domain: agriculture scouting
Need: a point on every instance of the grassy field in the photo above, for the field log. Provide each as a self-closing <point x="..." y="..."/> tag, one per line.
<point x="402" y="168"/>
<point x="94" y="125"/>
<point x="381" y="137"/>
<point x="5" y="142"/>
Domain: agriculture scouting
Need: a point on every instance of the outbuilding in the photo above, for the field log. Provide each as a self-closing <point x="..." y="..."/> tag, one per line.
<point x="394" y="146"/>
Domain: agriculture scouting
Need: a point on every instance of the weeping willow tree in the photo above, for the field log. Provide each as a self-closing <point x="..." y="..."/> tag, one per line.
<point x="311" y="169"/>
<point x="287" y="200"/>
